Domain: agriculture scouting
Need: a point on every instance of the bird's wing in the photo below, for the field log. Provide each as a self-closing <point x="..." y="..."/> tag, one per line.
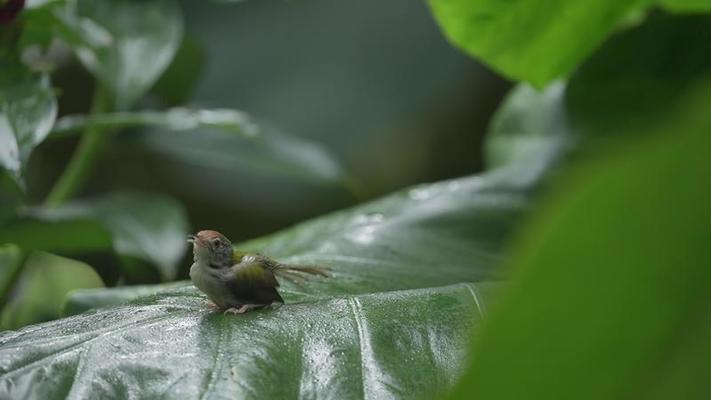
<point x="253" y="272"/>
<point x="237" y="255"/>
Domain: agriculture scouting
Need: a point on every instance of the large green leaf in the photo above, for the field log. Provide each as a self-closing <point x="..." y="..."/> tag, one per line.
<point x="171" y="345"/>
<point x="613" y="289"/>
<point x="532" y="40"/>
<point x="28" y="108"/>
<point x="397" y="296"/>
<point x="143" y="38"/>
<point x="146" y="227"/>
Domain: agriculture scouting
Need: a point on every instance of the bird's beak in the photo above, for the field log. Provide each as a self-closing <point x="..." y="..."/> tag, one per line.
<point x="191" y="238"/>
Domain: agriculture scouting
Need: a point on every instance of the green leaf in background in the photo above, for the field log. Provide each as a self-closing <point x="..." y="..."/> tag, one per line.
<point x="41" y="286"/>
<point x="233" y="121"/>
<point x="526" y="124"/>
<point x="222" y="139"/>
<point x="28" y="108"/>
<point x="144" y="36"/>
<point x="531" y="40"/>
<point x="178" y="82"/>
<point x="347" y="336"/>
<point x="612" y="289"/>
<point x="147" y="227"/>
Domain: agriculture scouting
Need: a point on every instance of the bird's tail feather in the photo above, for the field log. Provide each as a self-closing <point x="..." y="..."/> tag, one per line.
<point x="293" y="270"/>
<point x="291" y="276"/>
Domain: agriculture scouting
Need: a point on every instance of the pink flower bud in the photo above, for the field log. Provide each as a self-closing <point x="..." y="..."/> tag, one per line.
<point x="9" y="10"/>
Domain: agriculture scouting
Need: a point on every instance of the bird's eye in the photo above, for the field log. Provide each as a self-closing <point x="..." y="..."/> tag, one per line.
<point x="217" y="242"/>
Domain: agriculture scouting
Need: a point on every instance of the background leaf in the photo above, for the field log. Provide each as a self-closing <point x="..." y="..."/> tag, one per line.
<point x="143" y="38"/>
<point x="28" y="108"/>
<point x="42" y="286"/>
<point x="147" y="227"/>
<point x="221" y="138"/>
<point x="526" y="125"/>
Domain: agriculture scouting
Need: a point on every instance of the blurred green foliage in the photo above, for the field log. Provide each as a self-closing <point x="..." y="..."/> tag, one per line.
<point x="595" y="165"/>
<point x="610" y="294"/>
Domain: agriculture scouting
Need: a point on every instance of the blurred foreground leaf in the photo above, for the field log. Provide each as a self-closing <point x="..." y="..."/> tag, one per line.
<point x="28" y="108"/>
<point x="640" y="76"/>
<point x="146" y="227"/>
<point x="41" y="287"/>
<point x="613" y="289"/>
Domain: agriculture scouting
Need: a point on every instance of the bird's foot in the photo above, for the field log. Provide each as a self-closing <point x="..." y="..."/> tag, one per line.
<point x="242" y="309"/>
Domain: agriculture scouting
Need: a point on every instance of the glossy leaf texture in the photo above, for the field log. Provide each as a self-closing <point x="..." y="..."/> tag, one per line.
<point x="28" y="108"/>
<point x="172" y="346"/>
<point x="411" y="276"/>
<point x="146" y="227"/>
<point x="134" y="42"/>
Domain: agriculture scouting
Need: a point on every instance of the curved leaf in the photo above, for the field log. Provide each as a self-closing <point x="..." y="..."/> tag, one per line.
<point x="28" y="108"/>
<point x="219" y="138"/>
<point x="41" y="286"/>
<point x="531" y="40"/>
<point x="527" y="124"/>
<point x="233" y="121"/>
<point x="173" y="346"/>
<point x="135" y="42"/>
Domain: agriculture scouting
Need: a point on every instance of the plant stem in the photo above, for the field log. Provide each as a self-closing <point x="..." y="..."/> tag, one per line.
<point x="77" y="171"/>
<point x="12" y="276"/>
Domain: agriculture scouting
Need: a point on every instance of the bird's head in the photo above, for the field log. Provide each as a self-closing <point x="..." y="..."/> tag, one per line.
<point x="211" y="248"/>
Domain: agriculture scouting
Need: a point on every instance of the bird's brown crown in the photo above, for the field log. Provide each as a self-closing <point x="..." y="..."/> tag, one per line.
<point x="208" y="234"/>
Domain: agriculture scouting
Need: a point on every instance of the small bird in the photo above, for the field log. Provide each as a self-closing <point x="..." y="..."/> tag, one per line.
<point x="237" y="281"/>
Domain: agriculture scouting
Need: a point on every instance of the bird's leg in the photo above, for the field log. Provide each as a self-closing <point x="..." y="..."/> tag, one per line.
<point x="243" y="309"/>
